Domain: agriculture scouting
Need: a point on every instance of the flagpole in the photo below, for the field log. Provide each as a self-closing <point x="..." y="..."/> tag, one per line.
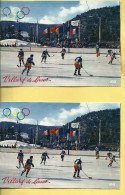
<point x="79" y="133"/>
<point x="36" y="133"/>
<point x="68" y="139"/>
<point x="79" y="31"/>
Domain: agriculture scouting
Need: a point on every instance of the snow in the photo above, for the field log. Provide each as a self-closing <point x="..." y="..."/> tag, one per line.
<point x="58" y="174"/>
<point x="18" y="42"/>
<point x="19" y="144"/>
<point x="59" y="72"/>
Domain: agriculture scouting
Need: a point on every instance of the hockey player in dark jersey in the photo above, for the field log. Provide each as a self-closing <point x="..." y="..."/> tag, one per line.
<point x="109" y="155"/>
<point x="109" y="52"/>
<point x="97" y="50"/>
<point x="43" y="157"/>
<point x="78" y="65"/>
<point x="112" y="159"/>
<point x="77" y="167"/>
<point x="63" y="52"/>
<point x="21" y="56"/>
<point x="112" y="57"/>
<point x="97" y="152"/>
<point x="44" y="56"/>
<point x="63" y="153"/>
<point x="20" y="158"/>
<point x="28" y="165"/>
<point x="28" y="64"/>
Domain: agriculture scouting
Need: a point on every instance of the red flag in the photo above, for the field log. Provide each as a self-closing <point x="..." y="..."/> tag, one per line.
<point x="53" y="29"/>
<point x="53" y="131"/>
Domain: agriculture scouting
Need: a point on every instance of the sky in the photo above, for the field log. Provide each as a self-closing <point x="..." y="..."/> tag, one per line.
<point x="49" y="12"/>
<point x="49" y="114"/>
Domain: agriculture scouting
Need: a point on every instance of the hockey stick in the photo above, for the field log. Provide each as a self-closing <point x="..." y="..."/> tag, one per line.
<point x="52" y="55"/>
<point x="86" y="175"/>
<point x="87" y="73"/>
<point x="117" y="163"/>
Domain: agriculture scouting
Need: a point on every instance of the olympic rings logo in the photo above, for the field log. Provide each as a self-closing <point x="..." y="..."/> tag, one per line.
<point x="23" y="115"/>
<point x="7" y="11"/>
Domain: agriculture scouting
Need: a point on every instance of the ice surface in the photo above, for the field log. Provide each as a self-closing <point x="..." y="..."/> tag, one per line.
<point x="58" y="174"/>
<point x="59" y="72"/>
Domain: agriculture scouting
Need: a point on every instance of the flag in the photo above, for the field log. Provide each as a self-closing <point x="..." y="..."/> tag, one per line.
<point x="45" y="31"/>
<point x="75" y="125"/>
<point x="53" y="131"/>
<point x="72" y="133"/>
<point x="53" y="29"/>
<point x="72" y="31"/>
<point x="61" y="30"/>
<point x="45" y="133"/>
<point x="75" y="23"/>
<point x="57" y="132"/>
<point x="61" y="131"/>
<point x="57" y="31"/>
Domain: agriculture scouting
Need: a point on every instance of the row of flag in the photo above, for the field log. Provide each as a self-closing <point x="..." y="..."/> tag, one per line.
<point x="60" y="30"/>
<point x="60" y="131"/>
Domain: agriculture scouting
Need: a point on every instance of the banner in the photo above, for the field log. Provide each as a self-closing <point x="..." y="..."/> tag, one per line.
<point x="75" y="125"/>
<point x="75" y="23"/>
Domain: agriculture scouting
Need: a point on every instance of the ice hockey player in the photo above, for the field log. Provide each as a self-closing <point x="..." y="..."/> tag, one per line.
<point x="43" y="157"/>
<point x="78" y="65"/>
<point x="112" y="159"/>
<point x="63" y="153"/>
<point x="109" y="52"/>
<point x="28" y="165"/>
<point x="112" y="57"/>
<point x="28" y="64"/>
<point x="77" y="167"/>
<point x="97" y="50"/>
<point x="109" y="155"/>
<point x="20" y="158"/>
<point x="63" y="52"/>
<point x="97" y="152"/>
<point x="21" y="56"/>
<point x="44" y="56"/>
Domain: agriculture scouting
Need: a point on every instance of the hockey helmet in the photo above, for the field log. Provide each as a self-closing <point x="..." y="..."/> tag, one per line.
<point x="31" y="55"/>
<point x="31" y="157"/>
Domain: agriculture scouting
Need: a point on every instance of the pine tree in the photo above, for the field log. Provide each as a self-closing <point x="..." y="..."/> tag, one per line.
<point x="106" y="32"/>
<point x="92" y="137"/>
<point x="19" y="32"/>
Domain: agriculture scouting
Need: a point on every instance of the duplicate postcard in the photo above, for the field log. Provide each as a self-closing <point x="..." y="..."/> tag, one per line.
<point x="60" y="43"/>
<point x="60" y="145"/>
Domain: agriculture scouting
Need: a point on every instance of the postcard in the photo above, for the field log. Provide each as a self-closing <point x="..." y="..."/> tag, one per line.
<point x="60" y="43"/>
<point x="60" y="145"/>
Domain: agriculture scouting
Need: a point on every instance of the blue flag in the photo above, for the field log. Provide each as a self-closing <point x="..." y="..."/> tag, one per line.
<point x="61" y="131"/>
<point x="61" y="30"/>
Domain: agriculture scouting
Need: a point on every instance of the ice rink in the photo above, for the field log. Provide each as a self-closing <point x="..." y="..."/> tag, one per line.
<point x="58" y="174"/>
<point x="59" y="72"/>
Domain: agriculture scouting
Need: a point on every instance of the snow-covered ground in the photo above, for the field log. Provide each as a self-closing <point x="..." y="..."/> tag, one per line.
<point x="59" y="72"/>
<point x="18" y="42"/>
<point x="18" y="144"/>
<point x="58" y="174"/>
